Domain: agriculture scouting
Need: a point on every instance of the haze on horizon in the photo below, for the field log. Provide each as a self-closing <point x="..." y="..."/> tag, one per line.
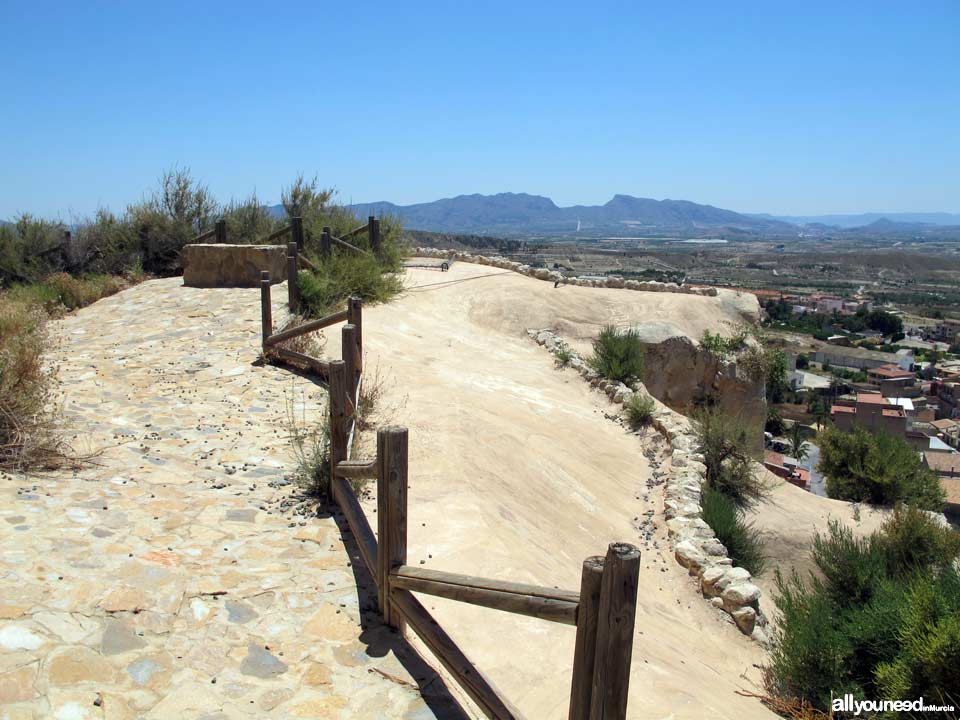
<point x="808" y="110"/>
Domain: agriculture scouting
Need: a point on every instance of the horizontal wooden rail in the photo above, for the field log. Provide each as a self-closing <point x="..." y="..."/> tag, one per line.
<point x="355" y="231"/>
<point x="276" y="235"/>
<point x="307" y="327"/>
<point x="357" y="469"/>
<point x="205" y="236"/>
<point x="347" y="246"/>
<point x="320" y="366"/>
<point x="480" y="690"/>
<point x="349" y="505"/>
<point x="304" y="260"/>
<point x="532" y="600"/>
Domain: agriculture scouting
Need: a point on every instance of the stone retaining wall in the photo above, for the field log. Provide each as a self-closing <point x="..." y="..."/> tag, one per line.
<point x="694" y="543"/>
<point x="554" y="276"/>
<point x="208" y="265"/>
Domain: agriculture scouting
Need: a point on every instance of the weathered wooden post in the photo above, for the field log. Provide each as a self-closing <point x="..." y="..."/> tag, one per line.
<point x="585" y="652"/>
<point x="377" y="240"/>
<point x="338" y="414"/>
<point x="325" y="242"/>
<point x="617" y="612"/>
<point x="348" y="341"/>
<point x="391" y="514"/>
<point x="372" y="237"/>
<point x="296" y="231"/>
<point x="355" y="318"/>
<point x="266" y="309"/>
<point x="293" y="288"/>
<point x="220" y="231"/>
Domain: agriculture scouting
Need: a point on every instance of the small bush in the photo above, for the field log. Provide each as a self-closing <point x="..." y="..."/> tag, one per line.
<point x="639" y="410"/>
<point x="563" y="356"/>
<point x="730" y="469"/>
<point x="618" y="355"/>
<point x="342" y="275"/>
<point x="880" y="620"/>
<point x="743" y="542"/>
<point x="311" y="451"/>
<point x="876" y="469"/>
<point x="28" y="436"/>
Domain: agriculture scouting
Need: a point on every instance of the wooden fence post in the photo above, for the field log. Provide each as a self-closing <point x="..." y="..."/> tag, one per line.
<point x="325" y="242"/>
<point x="293" y="287"/>
<point x="617" y="612"/>
<point x="377" y="240"/>
<point x="355" y="318"/>
<point x="348" y="352"/>
<point x="266" y="309"/>
<point x="391" y="514"/>
<point x="296" y="231"/>
<point x="338" y="415"/>
<point x="220" y="231"/>
<point x="585" y="652"/>
<point x="372" y="234"/>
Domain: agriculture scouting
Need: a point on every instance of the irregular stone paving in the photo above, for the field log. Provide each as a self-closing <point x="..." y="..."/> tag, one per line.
<point x="167" y="579"/>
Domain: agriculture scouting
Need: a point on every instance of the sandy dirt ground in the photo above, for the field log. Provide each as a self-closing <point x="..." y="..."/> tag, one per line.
<point x="790" y="519"/>
<point x="516" y="473"/>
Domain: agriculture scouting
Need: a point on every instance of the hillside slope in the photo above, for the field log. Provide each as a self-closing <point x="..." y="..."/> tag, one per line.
<point x="515" y="473"/>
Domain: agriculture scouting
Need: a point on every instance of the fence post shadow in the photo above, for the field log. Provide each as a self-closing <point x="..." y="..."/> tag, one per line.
<point x="380" y="639"/>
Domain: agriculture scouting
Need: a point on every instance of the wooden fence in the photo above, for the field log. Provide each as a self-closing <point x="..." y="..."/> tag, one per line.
<point x="219" y="235"/>
<point x="603" y="611"/>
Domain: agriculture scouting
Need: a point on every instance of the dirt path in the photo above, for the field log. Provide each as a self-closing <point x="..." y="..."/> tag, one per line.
<point x="517" y="474"/>
<point x="165" y="582"/>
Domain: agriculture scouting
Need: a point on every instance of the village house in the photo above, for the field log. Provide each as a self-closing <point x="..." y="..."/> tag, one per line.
<point x="947" y="468"/>
<point x="893" y="381"/>
<point x="871" y="411"/>
<point x="860" y="358"/>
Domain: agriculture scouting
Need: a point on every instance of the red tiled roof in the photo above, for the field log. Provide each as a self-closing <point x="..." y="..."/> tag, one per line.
<point x="892" y="372"/>
<point x="843" y="409"/>
<point x="893" y="412"/>
<point x="943" y="462"/>
<point x="871" y="399"/>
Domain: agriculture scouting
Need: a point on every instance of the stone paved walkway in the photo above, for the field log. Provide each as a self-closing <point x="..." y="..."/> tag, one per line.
<point x="166" y="580"/>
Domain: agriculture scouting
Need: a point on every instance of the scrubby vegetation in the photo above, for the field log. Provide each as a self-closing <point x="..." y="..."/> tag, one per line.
<point x="311" y="450"/>
<point x="731" y="486"/>
<point x="880" y="619"/>
<point x="876" y="469"/>
<point x="28" y="436"/>
<point x="742" y="541"/>
<point x="639" y="410"/>
<point x="725" y="446"/>
<point x="618" y="355"/>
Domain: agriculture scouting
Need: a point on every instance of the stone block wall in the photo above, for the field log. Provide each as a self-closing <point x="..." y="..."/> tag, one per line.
<point x="209" y="265"/>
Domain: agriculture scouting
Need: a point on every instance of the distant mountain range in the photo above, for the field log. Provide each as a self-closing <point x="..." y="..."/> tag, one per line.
<point x="511" y="213"/>
<point x="865" y="219"/>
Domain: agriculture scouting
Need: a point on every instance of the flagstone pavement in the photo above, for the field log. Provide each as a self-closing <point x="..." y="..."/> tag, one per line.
<point x="168" y="578"/>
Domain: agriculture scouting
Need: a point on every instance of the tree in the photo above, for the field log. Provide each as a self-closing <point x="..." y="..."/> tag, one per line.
<point x="876" y="469"/>
<point x="798" y="446"/>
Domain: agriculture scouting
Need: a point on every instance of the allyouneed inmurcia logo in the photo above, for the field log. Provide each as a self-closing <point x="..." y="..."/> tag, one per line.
<point x="847" y="704"/>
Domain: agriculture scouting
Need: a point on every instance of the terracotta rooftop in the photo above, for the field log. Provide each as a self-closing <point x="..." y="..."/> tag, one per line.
<point x="944" y="424"/>
<point x="951" y="487"/>
<point x="893" y="412"/>
<point x="871" y="399"/>
<point x="890" y="372"/>
<point x="843" y="409"/>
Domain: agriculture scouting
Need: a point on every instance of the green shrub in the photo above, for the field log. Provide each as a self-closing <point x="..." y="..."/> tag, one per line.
<point x="563" y="356"/>
<point x="726" y="451"/>
<point x="639" y="410"/>
<point x="879" y="619"/>
<point x="618" y="355"/>
<point x="743" y="542"/>
<point x="876" y="469"/>
<point x="342" y="275"/>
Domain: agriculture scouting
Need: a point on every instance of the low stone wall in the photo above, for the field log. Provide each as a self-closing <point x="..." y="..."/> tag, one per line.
<point x="694" y="543"/>
<point x="554" y="276"/>
<point x="208" y="265"/>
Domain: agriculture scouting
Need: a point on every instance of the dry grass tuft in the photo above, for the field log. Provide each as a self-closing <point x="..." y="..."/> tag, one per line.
<point x="28" y="432"/>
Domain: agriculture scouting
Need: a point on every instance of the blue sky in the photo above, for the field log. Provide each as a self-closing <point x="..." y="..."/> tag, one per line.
<point x="788" y="108"/>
